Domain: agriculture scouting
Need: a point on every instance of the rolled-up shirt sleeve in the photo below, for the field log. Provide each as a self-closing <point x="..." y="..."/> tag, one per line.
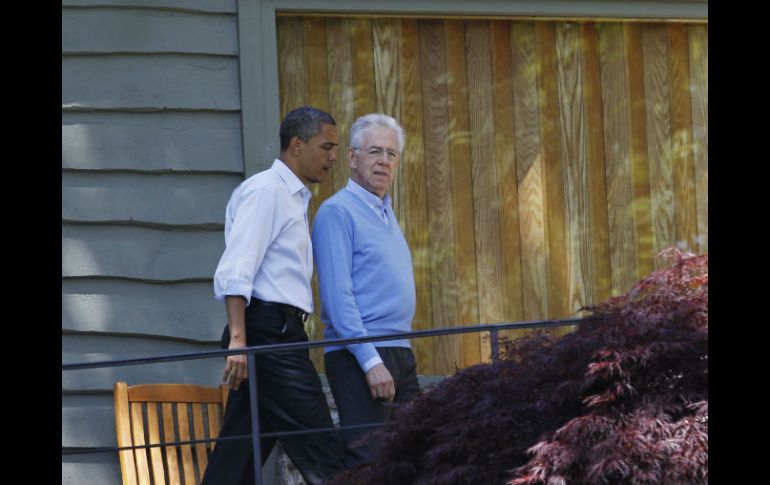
<point x="333" y="259"/>
<point x="248" y="234"/>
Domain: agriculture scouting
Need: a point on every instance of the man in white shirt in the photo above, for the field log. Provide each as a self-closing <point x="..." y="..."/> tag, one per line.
<point x="264" y="279"/>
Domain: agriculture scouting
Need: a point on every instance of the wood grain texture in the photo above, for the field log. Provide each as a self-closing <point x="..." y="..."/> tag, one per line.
<point x="575" y="175"/>
<point x="341" y="100"/>
<point x="385" y="36"/>
<point x="486" y="202"/>
<point x="462" y="197"/>
<point x="681" y="129"/>
<point x="638" y="142"/>
<point x="596" y="183"/>
<point x="534" y="179"/>
<point x="529" y="165"/>
<point x="558" y="282"/>
<point x="365" y="99"/>
<point x="439" y="190"/>
<point x="615" y="108"/>
<point x="655" y="52"/>
<point x="505" y="160"/>
<point x="317" y="95"/>
<point x="699" y="78"/>
<point x="292" y="72"/>
<point x="415" y="178"/>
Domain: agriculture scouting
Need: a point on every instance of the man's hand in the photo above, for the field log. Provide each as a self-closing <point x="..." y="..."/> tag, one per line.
<point x="381" y="383"/>
<point x="236" y="369"/>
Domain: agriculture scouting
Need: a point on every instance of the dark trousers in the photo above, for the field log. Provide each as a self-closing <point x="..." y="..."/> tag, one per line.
<point x="354" y="399"/>
<point x="290" y="398"/>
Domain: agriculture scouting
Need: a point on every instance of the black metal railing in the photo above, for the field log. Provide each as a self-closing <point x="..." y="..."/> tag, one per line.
<point x="493" y="329"/>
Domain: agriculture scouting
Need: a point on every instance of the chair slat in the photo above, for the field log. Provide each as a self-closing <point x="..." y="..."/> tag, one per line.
<point x="169" y="434"/>
<point x="215" y="416"/>
<point x="184" y="435"/>
<point x="123" y="433"/>
<point x="140" y="454"/>
<point x="200" y="448"/>
<point x="174" y="393"/>
<point x="153" y="435"/>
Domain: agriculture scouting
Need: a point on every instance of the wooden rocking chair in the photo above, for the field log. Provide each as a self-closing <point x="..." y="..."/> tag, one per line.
<point x="156" y="413"/>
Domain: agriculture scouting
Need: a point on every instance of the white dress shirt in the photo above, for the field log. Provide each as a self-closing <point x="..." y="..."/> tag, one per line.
<point x="268" y="252"/>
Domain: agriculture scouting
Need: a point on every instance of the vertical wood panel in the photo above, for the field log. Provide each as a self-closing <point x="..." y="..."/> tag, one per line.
<point x="439" y="185"/>
<point x="169" y="435"/>
<point x="314" y="35"/>
<point x="573" y="138"/>
<point x="462" y="198"/>
<point x="505" y="151"/>
<point x="486" y="202"/>
<point x="529" y="165"/>
<point x="558" y="303"/>
<point x="291" y="70"/>
<point x="554" y="161"/>
<point x="654" y="47"/>
<point x="597" y="188"/>
<point x="385" y="45"/>
<point x="681" y="128"/>
<point x="638" y="141"/>
<point x="153" y="435"/>
<point x="617" y="158"/>
<point x="699" y="72"/>
<point x="413" y="169"/>
<point x="365" y="100"/>
<point x="341" y="103"/>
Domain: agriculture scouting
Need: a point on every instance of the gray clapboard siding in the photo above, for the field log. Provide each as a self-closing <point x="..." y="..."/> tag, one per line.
<point x="152" y="141"/>
<point x="87" y="421"/>
<point x="91" y="469"/>
<point x="219" y="6"/>
<point x="182" y="310"/>
<point x="162" y="199"/>
<point x="97" y="348"/>
<point x="120" y="30"/>
<point x="173" y="81"/>
<point x="137" y="252"/>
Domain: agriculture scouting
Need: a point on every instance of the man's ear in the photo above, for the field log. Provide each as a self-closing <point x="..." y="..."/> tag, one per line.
<point x="295" y="145"/>
<point x="352" y="162"/>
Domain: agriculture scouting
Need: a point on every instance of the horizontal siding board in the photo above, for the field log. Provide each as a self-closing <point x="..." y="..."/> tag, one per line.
<point x="95" y="348"/>
<point x="150" y="82"/>
<point x="152" y="141"/>
<point x="93" y="469"/>
<point x="219" y="6"/>
<point x="87" y="421"/>
<point x="122" y="30"/>
<point x="185" y="310"/>
<point x="162" y="199"/>
<point x="137" y="252"/>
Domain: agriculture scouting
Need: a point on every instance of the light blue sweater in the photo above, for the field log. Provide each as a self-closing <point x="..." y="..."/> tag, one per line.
<point x="364" y="273"/>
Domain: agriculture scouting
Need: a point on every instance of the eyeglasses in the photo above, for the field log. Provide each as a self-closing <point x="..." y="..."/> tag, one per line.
<point x="376" y="152"/>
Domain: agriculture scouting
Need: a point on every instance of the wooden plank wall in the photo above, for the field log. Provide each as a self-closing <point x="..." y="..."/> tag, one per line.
<point x="151" y="150"/>
<point x="546" y="163"/>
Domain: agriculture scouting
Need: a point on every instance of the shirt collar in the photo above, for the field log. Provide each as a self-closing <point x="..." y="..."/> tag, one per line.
<point x="371" y="199"/>
<point x="293" y="183"/>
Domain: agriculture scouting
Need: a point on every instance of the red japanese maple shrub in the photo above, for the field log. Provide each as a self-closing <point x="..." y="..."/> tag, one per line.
<point x="621" y="400"/>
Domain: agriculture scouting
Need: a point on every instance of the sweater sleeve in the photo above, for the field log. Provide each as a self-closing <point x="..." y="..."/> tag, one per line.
<point x="333" y="259"/>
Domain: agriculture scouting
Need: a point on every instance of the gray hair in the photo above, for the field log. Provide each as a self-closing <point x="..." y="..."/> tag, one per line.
<point x="365" y="122"/>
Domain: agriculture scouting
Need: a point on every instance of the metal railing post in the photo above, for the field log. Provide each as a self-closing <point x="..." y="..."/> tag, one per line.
<point x="493" y="338"/>
<point x="255" y="442"/>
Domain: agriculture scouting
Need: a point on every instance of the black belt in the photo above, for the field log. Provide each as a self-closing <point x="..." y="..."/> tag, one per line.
<point x="289" y="310"/>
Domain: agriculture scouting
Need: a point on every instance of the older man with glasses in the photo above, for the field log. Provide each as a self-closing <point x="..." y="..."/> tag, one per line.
<point x="367" y="286"/>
